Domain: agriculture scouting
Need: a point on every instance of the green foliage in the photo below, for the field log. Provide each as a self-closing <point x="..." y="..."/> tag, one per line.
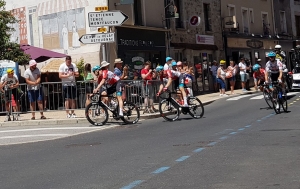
<point x="80" y="66"/>
<point x="9" y="50"/>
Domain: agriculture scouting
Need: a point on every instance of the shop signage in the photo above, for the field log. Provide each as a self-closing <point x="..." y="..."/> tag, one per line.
<point x="97" y="38"/>
<point x="195" y="21"/>
<point x="254" y="43"/>
<point x="136" y="43"/>
<point x="205" y="39"/>
<point x="108" y="18"/>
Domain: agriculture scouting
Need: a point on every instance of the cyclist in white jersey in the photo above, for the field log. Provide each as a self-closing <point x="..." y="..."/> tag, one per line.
<point x="274" y="68"/>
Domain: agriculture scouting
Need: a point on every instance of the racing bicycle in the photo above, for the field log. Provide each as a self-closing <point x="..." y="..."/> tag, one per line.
<point x="97" y="111"/>
<point x="278" y="99"/>
<point x="170" y="108"/>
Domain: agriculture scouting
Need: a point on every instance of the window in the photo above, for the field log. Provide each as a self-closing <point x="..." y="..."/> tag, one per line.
<point x="178" y="17"/>
<point x="138" y="19"/>
<point x="297" y="19"/>
<point x="251" y="15"/>
<point x="231" y="10"/>
<point x="283" y="22"/>
<point x="265" y="23"/>
<point x="207" y="16"/>
<point x="245" y="19"/>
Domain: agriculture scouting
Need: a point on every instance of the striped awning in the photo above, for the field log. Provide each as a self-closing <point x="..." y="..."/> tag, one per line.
<point x="54" y="6"/>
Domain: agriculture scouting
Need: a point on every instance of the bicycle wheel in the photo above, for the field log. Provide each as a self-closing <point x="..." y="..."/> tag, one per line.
<point x="196" y="109"/>
<point x="96" y="114"/>
<point x="168" y="111"/>
<point x="275" y="101"/>
<point x="284" y="104"/>
<point x="267" y="98"/>
<point x="131" y="113"/>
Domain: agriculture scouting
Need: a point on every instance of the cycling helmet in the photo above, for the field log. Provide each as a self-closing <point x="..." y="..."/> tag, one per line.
<point x="10" y="71"/>
<point x="159" y="68"/>
<point x="222" y="62"/>
<point x="256" y="67"/>
<point x="168" y="59"/>
<point x="179" y="63"/>
<point x="277" y="46"/>
<point x="96" y="68"/>
<point x="174" y="63"/>
<point x="271" y="54"/>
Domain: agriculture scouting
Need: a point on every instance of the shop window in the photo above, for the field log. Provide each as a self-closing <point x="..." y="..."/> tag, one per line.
<point x="207" y="16"/>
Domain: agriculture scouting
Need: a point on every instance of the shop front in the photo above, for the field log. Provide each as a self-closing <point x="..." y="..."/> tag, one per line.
<point x="250" y="49"/>
<point x="136" y="46"/>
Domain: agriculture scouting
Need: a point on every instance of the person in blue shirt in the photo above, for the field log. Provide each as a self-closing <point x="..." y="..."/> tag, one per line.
<point x="122" y="74"/>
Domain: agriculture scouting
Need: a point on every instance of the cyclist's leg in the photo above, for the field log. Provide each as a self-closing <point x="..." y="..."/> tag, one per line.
<point x="118" y="90"/>
<point x="181" y="88"/>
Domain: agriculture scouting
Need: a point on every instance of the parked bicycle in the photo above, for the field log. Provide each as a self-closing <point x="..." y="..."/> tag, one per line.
<point x="170" y="108"/>
<point x="97" y="111"/>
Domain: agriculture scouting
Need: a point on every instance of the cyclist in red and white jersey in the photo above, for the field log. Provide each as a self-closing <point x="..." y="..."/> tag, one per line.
<point x="177" y="77"/>
<point x="112" y="83"/>
<point x="258" y="76"/>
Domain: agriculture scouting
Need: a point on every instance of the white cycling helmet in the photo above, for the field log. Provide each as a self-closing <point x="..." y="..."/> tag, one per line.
<point x="277" y="46"/>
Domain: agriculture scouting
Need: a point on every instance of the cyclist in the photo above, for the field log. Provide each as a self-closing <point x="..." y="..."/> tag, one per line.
<point x="96" y="70"/>
<point x="258" y="76"/>
<point x="280" y="55"/>
<point x="112" y="83"/>
<point x="274" y="67"/>
<point x="178" y="78"/>
<point x="10" y="83"/>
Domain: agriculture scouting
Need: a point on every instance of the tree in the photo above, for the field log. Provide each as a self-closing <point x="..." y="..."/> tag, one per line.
<point x="9" y="50"/>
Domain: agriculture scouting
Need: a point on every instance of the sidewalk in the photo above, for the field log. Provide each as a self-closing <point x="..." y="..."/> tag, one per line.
<point x="59" y="117"/>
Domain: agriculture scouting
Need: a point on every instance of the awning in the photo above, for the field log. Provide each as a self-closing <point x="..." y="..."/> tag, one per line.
<point x="52" y="66"/>
<point x="54" y="6"/>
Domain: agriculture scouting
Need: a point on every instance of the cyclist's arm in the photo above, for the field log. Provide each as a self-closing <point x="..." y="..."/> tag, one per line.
<point x="100" y="84"/>
<point x="169" y="82"/>
<point x="280" y="75"/>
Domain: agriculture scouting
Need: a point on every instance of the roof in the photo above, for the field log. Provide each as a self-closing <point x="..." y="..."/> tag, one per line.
<point x="52" y="66"/>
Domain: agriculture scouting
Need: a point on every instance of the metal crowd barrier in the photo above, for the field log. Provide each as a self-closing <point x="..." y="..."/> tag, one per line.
<point x="54" y="94"/>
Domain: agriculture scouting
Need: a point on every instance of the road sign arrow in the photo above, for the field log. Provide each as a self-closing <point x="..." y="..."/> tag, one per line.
<point x="108" y="18"/>
<point x="97" y="38"/>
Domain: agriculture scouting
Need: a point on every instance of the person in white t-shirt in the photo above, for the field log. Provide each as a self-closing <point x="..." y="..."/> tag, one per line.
<point x="32" y="76"/>
<point x="243" y="73"/>
<point x="67" y="73"/>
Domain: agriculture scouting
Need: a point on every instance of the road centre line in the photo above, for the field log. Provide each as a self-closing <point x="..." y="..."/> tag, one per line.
<point x="182" y="158"/>
<point x="160" y="170"/>
<point x="133" y="184"/>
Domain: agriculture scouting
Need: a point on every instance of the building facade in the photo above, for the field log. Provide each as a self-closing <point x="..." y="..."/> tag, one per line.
<point x="248" y="29"/>
<point x="56" y="25"/>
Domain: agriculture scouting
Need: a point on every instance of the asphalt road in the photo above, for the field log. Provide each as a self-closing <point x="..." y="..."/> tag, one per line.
<point x="238" y="144"/>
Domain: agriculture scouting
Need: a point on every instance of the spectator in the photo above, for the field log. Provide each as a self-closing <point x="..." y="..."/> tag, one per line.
<point x="232" y="68"/>
<point x="243" y="68"/>
<point x="67" y="73"/>
<point x="44" y="79"/>
<point x="35" y="92"/>
<point x="213" y="70"/>
<point x="10" y="83"/>
<point x="89" y="79"/>
<point x="149" y="92"/>
<point x="122" y="74"/>
<point x="221" y="76"/>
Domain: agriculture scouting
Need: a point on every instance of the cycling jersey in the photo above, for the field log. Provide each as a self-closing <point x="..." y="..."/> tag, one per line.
<point x="260" y="75"/>
<point x="110" y="77"/>
<point x="274" y="67"/>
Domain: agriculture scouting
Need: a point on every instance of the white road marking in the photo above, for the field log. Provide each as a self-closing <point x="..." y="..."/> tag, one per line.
<point x="38" y="135"/>
<point x="257" y="97"/>
<point x="239" y="97"/>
